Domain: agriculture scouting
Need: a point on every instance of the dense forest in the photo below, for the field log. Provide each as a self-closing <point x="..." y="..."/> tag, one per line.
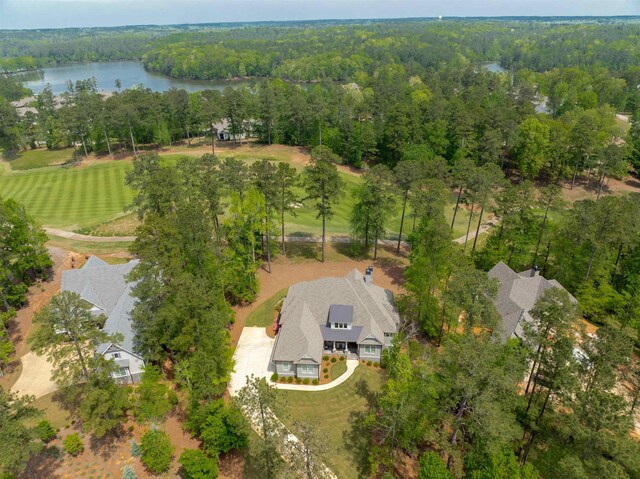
<point x="409" y="104"/>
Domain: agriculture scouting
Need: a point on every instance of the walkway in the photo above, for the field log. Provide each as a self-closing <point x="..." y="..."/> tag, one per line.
<point x="352" y="364"/>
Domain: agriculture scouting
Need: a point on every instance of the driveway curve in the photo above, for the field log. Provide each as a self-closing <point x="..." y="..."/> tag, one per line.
<point x="35" y="379"/>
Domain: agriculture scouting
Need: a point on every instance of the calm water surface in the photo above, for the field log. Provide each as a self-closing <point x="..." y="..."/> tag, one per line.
<point x="129" y="73"/>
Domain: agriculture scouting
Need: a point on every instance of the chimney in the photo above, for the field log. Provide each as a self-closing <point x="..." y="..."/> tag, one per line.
<point x="368" y="276"/>
<point x="535" y="271"/>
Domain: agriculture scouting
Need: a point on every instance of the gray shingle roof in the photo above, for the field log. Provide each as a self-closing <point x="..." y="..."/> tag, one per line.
<point x="341" y="313"/>
<point x="517" y="295"/>
<point x="305" y="314"/>
<point x="105" y="286"/>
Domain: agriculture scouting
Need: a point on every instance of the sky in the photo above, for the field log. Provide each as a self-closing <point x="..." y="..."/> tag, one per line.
<point x="91" y="13"/>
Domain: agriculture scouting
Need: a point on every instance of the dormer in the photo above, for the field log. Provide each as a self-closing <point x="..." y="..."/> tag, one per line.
<point x="340" y="316"/>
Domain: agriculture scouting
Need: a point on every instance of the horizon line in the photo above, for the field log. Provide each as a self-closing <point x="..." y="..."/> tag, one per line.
<point x="345" y="20"/>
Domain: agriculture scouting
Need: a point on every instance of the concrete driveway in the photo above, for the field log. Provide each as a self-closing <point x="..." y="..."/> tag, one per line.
<point x="35" y="378"/>
<point x="252" y="357"/>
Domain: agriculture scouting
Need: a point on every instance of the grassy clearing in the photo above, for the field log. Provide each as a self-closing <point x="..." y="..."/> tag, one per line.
<point x="40" y="158"/>
<point x="338" y="413"/>
<point x="122" y="226"/>
<point x="262" y="316"/>
<point x="89" y="247"/>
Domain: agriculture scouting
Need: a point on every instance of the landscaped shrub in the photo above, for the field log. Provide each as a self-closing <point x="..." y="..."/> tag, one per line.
<point x="45" y="431"/>
<point x="298" y="380"/>
<point x="315" y="382"/>
<point x="368" y="363"/>
<point x="325" y="370"/>
<point x="197" y="465"/>
<point x="157" y="451"/>
<point x="130" y="428"/>
<point x="290" y="379"/>
<point x="128" y="473"/>
<point x="342" y="358"/>
<point x="274" y="377"/>
<point x="135" y="449"/>
<point x="333" y="359"/>
<point x="305" y="381"/>
<point x="376" y="364"/>
<point x="326" y="376"/>
<point x="73" y="444"/>
<point x="325" y="358"/>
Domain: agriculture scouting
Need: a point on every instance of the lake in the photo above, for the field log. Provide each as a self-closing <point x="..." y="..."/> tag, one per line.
<point x="106" y="73"/>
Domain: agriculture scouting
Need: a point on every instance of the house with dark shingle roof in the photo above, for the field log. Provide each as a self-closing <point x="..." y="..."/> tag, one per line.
<point x="517" y="295"/>
<point x="105" y="287"/>
<point x="349" y="315"/>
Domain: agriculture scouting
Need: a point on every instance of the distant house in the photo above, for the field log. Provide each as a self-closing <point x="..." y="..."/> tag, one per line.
<point x="223" y="130"/>
<point x="517" y="295"/>
<point x="349" y="315"/>
<point x="105" y="287"/>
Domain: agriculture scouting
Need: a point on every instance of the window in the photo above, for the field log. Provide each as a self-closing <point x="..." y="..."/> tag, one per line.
<point x="122" y="372"/>
<point x="306" y="369"/>
<point x="286" y="367"/>
<point x="369" y="349"/>
<point x="116" y="355"/>
<point x="340" y="325"/>
<point x="388" y="335"/>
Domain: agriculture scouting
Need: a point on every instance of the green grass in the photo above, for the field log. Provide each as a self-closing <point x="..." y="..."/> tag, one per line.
<point x="71" y="197"/>
<point x="31" y="159"/>
<point x="89" y="247"/>
<point x="52" y="411"/>
<point x="305" y="220"/>
<point x="338" y="369"/>
<point x="262" y="316"/>
<point x="338" y="413"/>
<point x="74" y="198"/>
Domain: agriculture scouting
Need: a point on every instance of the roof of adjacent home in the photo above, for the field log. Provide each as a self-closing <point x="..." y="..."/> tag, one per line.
<point x="105" y="286"/>
<point x="517" y="295"/>
<point x="305" y="313"/>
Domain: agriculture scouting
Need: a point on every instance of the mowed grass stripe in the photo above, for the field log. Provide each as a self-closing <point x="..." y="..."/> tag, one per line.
<point x="64" y="197"/>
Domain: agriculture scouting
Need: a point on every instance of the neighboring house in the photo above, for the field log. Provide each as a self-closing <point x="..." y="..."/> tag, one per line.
<point x="347" y="315"/>
<point x="223" y="133"/>
<point x="517" y="295"/>
<point x="106" y="288"/>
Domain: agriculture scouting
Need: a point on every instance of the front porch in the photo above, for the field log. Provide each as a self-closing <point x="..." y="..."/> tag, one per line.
<point x="349" y="349"/>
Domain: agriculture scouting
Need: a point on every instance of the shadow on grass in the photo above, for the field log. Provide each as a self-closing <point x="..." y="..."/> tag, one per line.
<point x="352" y="250"/>
<point x="304" y="250"/>
<point x="357" y="441"/>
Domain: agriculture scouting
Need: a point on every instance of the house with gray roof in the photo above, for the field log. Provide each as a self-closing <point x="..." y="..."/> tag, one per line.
<point x="349" y="315"/>
<point x="517" y="295"/>
<point x="105" y="287"/>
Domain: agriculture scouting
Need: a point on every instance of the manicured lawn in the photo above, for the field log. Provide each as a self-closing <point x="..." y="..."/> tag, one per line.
<point x="338" y="369"/>
<point x="40" y="158"/>
<point x="263" y="315"/>
<point x="338" y="413"/>
<point x="71" y="197"/>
